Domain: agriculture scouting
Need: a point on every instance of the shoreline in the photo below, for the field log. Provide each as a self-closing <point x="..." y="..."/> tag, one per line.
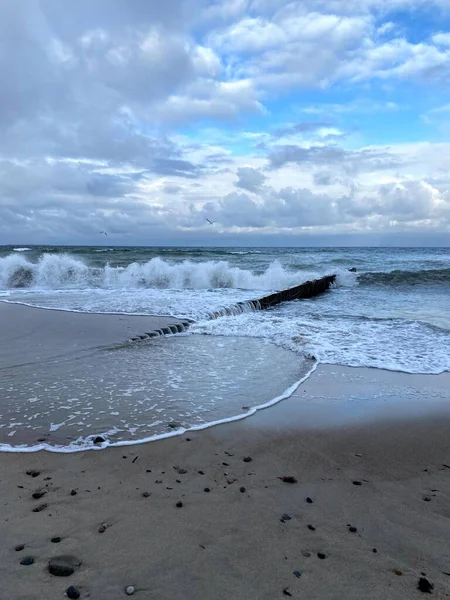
<point x="205" y="514"/>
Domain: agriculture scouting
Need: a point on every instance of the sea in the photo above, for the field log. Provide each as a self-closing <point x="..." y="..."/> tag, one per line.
<point x="392" y="313"/>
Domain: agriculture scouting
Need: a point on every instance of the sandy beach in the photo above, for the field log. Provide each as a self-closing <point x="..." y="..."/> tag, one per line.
<point x="206" y="515"/>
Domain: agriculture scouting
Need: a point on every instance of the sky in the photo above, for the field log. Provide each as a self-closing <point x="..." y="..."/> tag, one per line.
<point x="304" y="122"/>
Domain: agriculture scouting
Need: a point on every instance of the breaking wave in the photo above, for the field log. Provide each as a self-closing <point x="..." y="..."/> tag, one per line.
<point x="401" y="278"/>
<point x="61" y="271"/>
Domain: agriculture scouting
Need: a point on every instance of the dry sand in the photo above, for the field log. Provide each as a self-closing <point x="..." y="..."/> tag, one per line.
<point x="229" y="543"/>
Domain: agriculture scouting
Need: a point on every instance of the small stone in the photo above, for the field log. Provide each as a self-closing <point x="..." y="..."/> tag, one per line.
<point x="145" y="494"/>
<point x="173" y="425"/>
<point x="27" y="560"/>
<point x="40" y="507"/>
<point x="72" y="592"/>
<point x="55" y="540"/>
<point x="248" y="459"/>
<point x="179" y="504"/>
<point x="285" y="518"/>
<point x="306" y="554"/>
<point x="38" y="494"/>
<point x="73" y="492"/>
<point x="98" y="439"/>
<point x="288" y="479"/>
<point x="358" y="455"/>
<point x="19" y="548"/>
<point x="33" y="473"/>
<point x="60" y="568"/>
<point x="321" y="555"/>
<point x="297" y="574"/>
<point x="309" y="501"/>
<point x="182" y="471"/>
<point x="242" y="490"/>
<point x="311" y="527"/>
<point x="374" y="550"/>
<point x="427" y="499"/>
<point x="206" y="489"/>
<point x="286" y="592"/>
<point x="356" y="482"/>
<point x="188" y="439"/>
<point x="352" y="529"/>
<point x="129" y="590"/>
<point x="425" y="586"/>
<point x="41" y="439"/>
<point x="101" y="529"/>
<point x="398" y="572"/>
<point x="200" y="472"/>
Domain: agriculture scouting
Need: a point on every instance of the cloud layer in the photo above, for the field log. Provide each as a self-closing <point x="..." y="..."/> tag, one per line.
<point x="290" y="117"/>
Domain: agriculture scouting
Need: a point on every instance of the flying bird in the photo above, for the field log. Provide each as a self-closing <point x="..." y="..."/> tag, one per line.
<point x="210" y="222"/>
<point x="100" y="233"/>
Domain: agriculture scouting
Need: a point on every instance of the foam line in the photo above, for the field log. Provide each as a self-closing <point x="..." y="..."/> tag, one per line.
<point x="182" y="430"/>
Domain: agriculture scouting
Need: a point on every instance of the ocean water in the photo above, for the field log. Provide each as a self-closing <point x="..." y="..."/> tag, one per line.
<point x="393" y="313"/>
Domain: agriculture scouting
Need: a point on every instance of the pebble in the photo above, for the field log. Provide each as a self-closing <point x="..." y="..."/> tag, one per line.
<point x="129" y="590"/>
<point x="38" y="494"/>
<point x="98" y="439"/>
<point x="72" y="592"/>
<point x="356" y="482"/>
<point x="19" y="547"/>
<point x="352" y="529"/>
<point x="427" y="499"/>
<point x="182" y="471"/>
<point x="374" y="550"/>
<point x="145" y="494"/>
<point x="321" y="555"/>
<point x="286" y="592"/>
<point x="60" y="568"/>
<point x="33" y="473"/>
<point x="297" y="574"/>
<point x="242" y="490"/>
<point x="40" y="507"/>
<point x="101" y="529"/>
<point x="179" y="504"/>
<point x="288" y="479"/>
<point x="425" y="586"/>
<point x="200" y="472"/>
<point x="55" y="540"/>
<point x="27" y="560"/>
<point x="248" y="459"/>
<point x="311" y="527"/>
<point x="285" y="517"/>
<point x="41" y="439"/>
<point x="309" y="501"/>
<point x="398" y="572"/>
<point x="306" y="554"/>
<point x="73" y="492"/>
<point x="206" y="489"/>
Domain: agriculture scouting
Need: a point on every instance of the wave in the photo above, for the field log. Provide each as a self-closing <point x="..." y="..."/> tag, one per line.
<point x="21" y="249"/>
<point x="62" y="271"/>
<point x="402" y="278"/>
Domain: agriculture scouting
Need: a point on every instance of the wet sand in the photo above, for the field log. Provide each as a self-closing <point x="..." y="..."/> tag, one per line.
<point x="378" y="488"/>
<point x="29" y="334"/>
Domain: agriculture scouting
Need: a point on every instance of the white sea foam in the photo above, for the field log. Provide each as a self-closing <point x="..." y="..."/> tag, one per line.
<point x="62" y="271"/>
<point x="21" y="249"/>
<point x="83" y="444"/>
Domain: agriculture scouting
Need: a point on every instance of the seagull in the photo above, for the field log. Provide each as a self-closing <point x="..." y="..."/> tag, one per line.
<point x="210" y="222"/>
<point x="100" y="233"/>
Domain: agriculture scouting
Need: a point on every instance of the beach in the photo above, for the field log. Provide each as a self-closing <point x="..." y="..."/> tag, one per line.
<point x="300" y="451"/>
<point x="241" y="532"/>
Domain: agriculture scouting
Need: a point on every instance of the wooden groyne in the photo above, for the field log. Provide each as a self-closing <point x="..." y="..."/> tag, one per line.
<point x="309" y="289"/>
